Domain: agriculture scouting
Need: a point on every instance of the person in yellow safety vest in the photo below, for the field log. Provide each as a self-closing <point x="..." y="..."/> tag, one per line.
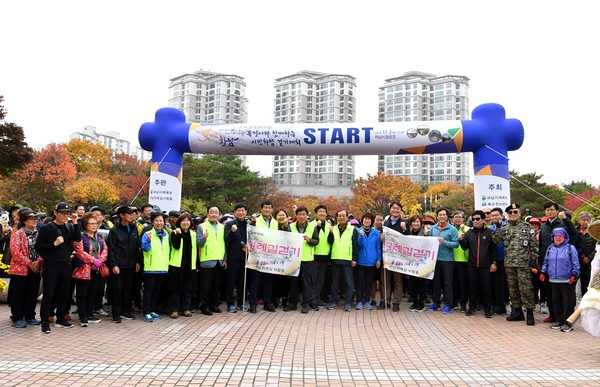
<point x="264" y="220"/>
<point x="156" y="248"/>
<point x="343" y="259"/>
<point x="182" y="267"/>
<point x="211" y="239"/>
<point x="307" y="265"/>
<point x="322" y="254"/>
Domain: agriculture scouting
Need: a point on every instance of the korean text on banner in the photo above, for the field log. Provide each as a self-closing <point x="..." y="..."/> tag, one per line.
<point x="412" y="255"/>
<point x="275" y="252"/>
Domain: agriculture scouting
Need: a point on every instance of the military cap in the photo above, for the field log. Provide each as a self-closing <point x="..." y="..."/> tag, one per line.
<point x="513" y="206"/>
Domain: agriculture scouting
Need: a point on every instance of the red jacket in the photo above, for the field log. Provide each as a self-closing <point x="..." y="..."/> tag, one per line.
<point x="84" y="272"/>
<point x="19" y="249"/>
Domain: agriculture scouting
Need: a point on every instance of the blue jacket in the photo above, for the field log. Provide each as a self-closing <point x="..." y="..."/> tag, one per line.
<point x="450" y="235"/>
<point x="561" y="262"/>
<point x="369" y="247"/>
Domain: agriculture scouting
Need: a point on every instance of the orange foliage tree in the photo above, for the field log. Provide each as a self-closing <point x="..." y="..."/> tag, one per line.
<point x="376" y="192"/>
<point x="130" y="177"/>
<point x="91" y="190"/>
<point x="89" y="157"/>
<point x="41" y="182"/>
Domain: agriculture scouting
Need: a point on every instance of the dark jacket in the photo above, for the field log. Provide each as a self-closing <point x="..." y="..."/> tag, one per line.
<point x="482" y="250"/>
<point x="235" y="241"/>
<point x="398" y="225"/>
<point x="61" y="254"/>
<point x="123" y="247"/>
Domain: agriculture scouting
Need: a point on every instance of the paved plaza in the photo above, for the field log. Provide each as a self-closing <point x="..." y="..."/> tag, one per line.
<point x="316" y="349"/>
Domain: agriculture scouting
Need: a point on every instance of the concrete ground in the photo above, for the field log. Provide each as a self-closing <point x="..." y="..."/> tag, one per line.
<point x="319" y="348"/>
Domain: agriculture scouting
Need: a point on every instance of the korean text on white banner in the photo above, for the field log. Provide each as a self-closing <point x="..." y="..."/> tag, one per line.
<point x="412" y="255"/>
<point x="275" y="252"/>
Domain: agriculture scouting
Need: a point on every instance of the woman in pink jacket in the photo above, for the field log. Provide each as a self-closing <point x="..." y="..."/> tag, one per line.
<point x="91" y="253"/>
<point x="24" y="272"/>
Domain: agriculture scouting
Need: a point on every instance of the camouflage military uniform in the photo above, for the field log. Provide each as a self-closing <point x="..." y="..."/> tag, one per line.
<point x="519" y="247"/>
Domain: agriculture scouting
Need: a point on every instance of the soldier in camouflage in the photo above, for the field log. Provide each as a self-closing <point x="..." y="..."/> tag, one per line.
<point x="520" y="249"/>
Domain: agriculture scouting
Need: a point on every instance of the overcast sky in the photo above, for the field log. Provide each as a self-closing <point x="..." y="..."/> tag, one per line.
<point x="67" y="64"/>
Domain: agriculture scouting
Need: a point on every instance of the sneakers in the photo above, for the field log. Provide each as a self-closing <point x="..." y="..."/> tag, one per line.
<point x="463" y="309"/>
<point x="359" y="305"/>
<point x="46" y="327"/>
<point x="117" y="320"/>
<point x="412" y="308"/>
<point x="243" y="308"/>
<point x="174" y="315"/>
<point x="347" y="308"/>
<point x="206" y="311"/>
<point x="332" y="306"/>
<point x="63" y="324"/>
<point x="101" y="312"/>
<point x="396" y="308"/>
<point x="20" y="323"/>
<point x="155" y="316"/>
<point x="543" y="308"/>
<point x="214" y="309"/>
<point x="33" y="321"/>
<point x="566" y="328"/>
<point x="556" y="325"/>
<point x="549" y="319"/>
<point x="252" y="309"/>
<point x="322" y="304"/>
<point x="368" y="306"/>
<point x="93" y="320"/>
<point x="420" y="309"/>
<point x="470" y="312"/>
<point x="148" y="318"/>
<point x="231" y="309"/>
<point x="304" y="309"/>
<point x="447" y="309"/>
<point x="433" y="306"/>
<point x="127" y="316"/>
<point x="187" y="313"/>
<point x="314" y="307"/>
<point x="83" y="322"/>
<point x="488" y="314"/>
<point x="290" y="307"/>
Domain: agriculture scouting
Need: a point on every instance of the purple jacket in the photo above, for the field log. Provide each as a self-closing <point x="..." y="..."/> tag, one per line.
<point x="561" y="262"/>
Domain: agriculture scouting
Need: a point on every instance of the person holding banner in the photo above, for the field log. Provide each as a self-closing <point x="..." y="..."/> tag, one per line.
<point x="368" y="244"/>
<point x="235" y="241"/>
<point x="343" y="259"/>
<point x="481" y="263"/>
<point x="211" y="239"/>
<point x="263" y="220"/>
<point x="396" y="223"/>
<point x="418" y="285"/>
<point x="307" y="265"/>
<point x="447" y="235"/>
<point x="322" y="251"/>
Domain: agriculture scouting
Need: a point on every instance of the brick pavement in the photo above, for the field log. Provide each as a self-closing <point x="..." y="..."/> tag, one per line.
<point x="320" y="348"/>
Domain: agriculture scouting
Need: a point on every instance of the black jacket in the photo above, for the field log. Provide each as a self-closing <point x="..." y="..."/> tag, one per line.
<point x="123" y="247"/>
<point x="61" y="254"/>
<point x="235" y="241"/>
<point x="482" y="251"/>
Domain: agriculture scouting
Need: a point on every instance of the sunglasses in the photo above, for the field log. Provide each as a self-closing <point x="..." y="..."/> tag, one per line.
<point x="476" y="219"/>
<point x="487" y="213"/>
<point x="512" y="212"/>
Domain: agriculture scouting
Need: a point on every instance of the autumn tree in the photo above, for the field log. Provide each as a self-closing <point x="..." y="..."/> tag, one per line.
<point x="376" y="192"/>
<point x="41" y="183"/>
<point x="14" y="152"/>
<point x="460" y="198"/>
<point x="89" y="157"/>
<point x="592" y="206"/>
<point x="91" y="190"/>
<point x="130" y="176"/>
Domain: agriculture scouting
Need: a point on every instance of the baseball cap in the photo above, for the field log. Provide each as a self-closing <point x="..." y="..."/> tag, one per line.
<point x="124" y="210"/>
<point x="62" y="207"/>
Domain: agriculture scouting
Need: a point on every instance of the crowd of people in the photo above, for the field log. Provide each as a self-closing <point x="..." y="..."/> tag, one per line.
<point x="143" y="260"/>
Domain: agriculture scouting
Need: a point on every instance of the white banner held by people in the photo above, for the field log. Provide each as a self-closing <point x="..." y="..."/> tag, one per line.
<point x="412" y="255"/>
<point x="275" y="252"/>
